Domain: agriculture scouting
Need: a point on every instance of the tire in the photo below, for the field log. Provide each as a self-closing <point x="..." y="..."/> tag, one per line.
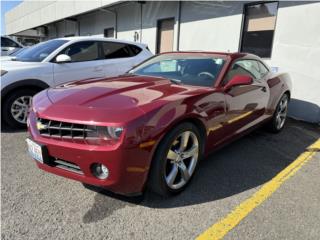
<point x="164" y="169"/>
<point x="22" y="96"/>
<point x="280" y="114"/>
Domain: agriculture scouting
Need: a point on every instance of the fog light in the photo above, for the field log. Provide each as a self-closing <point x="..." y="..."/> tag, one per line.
<point x="100" y="171"/>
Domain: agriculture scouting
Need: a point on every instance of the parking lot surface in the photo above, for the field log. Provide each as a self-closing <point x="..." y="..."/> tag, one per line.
<point x="39" y="205"/>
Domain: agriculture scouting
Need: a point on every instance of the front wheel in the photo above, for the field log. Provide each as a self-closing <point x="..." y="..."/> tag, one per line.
<point x="175" y="160"/>
<point x="279" y="117"/>
<point x="16" y="107"/>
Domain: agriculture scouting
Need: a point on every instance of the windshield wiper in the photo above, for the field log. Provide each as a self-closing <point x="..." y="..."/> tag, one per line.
<point x="176" y="81"/>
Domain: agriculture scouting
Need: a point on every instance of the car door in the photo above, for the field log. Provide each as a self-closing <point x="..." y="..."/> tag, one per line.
<point x="86" y="62"/>
<point x="119" y="57"/>
<point x="245" y="104"/>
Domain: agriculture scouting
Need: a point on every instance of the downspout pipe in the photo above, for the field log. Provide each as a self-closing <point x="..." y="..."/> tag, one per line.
<point x="178" y="25"/>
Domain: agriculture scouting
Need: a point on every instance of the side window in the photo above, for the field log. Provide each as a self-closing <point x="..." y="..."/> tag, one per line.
<point x="82" y="51"/>
<point x="116" y="50"/>
<point x="135" y="50"/>
<point x="5" y="42"/>
<point x="263" y="69"/>
<point x="251" y="67"/>
<point x="243" y="67"/>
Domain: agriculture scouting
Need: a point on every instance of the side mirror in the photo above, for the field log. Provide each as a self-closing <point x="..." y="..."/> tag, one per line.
<point x="238" y="80"/>
<point x="63" y="58"/>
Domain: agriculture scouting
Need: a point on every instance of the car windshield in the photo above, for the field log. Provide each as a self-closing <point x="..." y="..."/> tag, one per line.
<point x="189" y="69"/>
<point x="19" y="51"/>
<point x="40" y="51"/>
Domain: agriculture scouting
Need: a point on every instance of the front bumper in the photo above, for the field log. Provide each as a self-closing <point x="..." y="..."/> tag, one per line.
<point x="128" y="167"/>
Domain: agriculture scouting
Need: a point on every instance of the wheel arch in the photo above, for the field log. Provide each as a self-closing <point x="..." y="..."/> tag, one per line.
<point x="28" y="83"/>
<point x="188" y="119"/>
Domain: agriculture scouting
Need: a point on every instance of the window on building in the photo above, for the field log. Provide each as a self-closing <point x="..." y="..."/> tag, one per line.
<point x="119" y="50"/>
<point x="82" y="51"/>
<point x="259" y="25"/>
<point x="108" y="32"/>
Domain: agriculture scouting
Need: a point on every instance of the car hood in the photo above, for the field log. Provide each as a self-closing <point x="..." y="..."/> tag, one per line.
<point x="17" y="65"/>
<point x="112" y="100"/>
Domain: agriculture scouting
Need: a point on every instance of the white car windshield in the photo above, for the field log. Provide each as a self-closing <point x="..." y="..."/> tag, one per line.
<point x="40" y="51"/>
<point x="189" y="69"/>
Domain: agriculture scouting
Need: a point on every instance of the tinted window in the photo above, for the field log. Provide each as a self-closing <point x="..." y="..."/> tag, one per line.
<point x="243" y="67"/>
<point x="183" y="69"/>
<point x="118" y="50"/>
<point x="135" y="50"/>
<point x="260" y="20"/>
<point x="40" y="51"/>
<point x="82" y="51"/>
<point x="6" y="42"/>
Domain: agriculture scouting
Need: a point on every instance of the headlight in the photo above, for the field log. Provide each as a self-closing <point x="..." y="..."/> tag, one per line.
<point x="3" y="72"/>
<point x="106" y="133"/>
<point x="115" y="132"/>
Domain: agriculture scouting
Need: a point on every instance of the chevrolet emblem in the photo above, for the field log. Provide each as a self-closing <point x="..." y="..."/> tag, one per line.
<point x="41" y="126"/>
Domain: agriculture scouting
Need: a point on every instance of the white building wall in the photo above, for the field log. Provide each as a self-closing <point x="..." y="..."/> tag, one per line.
<point x="211" y="26"/>
<point x="31" y="14"/>
<point x="152" y="12"/>
<point x="94" y="23"/>
<point x="296" y="49"/>
<point x="128" y="20"/>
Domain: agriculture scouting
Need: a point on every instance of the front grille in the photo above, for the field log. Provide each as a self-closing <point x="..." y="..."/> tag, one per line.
<point x="59" y="163"/>
<point x="57" y="129"/>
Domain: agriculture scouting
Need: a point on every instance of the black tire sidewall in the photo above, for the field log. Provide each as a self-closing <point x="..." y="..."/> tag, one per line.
<point x="6" y="107"/>
<point x="156" y="181"/>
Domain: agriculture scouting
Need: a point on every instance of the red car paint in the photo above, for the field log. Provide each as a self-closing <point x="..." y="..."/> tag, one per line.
<point x="147" y="108"/>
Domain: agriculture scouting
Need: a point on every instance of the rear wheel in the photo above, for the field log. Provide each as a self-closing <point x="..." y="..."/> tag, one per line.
<point x="175" y="160"/>
<point x="16" y="107"/>
<point x="279" y="117"/>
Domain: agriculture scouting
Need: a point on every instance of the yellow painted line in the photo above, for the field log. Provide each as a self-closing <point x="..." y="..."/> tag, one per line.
<point x="221" y="228"/>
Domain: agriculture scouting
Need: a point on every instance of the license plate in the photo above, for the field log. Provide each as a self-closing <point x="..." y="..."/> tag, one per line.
<point x="35" y="150"/>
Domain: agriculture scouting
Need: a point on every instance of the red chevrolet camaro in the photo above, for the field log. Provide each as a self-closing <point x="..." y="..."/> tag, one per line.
<point x="151" y="126"/>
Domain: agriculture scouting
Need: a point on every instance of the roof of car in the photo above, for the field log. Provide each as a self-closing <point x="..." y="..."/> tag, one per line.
<point x="232" y="55"/>
<point x="78" y="38"/>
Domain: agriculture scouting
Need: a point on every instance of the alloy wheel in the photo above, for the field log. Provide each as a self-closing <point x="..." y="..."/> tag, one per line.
<point x="20" y="108"/>
<point x="182" y="159"/>
<point x="282" y="112"/>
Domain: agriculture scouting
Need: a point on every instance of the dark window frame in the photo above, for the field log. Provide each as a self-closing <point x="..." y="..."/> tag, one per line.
<point x="243" y="24"/>
<point x="100" y="55"/>
<point x="128" y="45"/>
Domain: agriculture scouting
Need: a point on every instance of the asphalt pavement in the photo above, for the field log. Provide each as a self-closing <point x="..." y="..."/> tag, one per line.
<point x="38" y="205"/>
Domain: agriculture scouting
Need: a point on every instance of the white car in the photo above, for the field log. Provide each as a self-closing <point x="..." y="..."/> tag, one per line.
<point x="9" y="45"/>
<point x="59" y="61"/>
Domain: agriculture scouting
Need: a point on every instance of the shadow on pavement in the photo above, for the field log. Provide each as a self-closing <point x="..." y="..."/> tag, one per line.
<point x="245" y="164"/>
